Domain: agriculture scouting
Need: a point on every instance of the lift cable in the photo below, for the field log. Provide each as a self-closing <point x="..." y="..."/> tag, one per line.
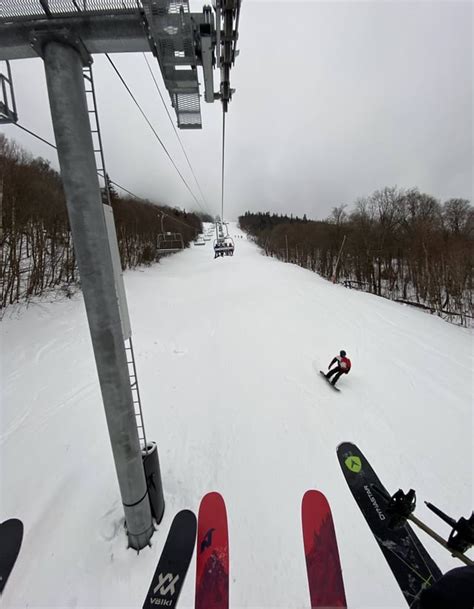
<point x="203" y="198"/>
<point x="174" y="129"/>
<point x="223" y="165"/>
<point x="38" y="137"/>
<point x="111" y="181"/>
<point x="35" y="135"/>
<point x="153" y="129"/>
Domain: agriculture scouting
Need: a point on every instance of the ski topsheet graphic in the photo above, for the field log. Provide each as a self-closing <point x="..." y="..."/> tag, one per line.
<point x="174" y="562"/>
<point x="11" y="536"/>
<point x="411" y="565"/>
<point x="326" y="586"/>
<point x="212" y="554"/>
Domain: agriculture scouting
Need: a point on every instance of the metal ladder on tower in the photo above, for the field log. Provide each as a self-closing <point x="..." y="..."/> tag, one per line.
<point x="95" y="131"/>
<point x="106" y="199"/>
<point x="137" y="404"/>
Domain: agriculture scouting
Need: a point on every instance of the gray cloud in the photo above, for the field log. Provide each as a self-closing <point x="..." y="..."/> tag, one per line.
<point x="333" y="100"/>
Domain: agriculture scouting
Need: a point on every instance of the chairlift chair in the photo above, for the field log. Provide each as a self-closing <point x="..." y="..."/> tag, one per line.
<point x="168" y="242"/>
<point x="224" y="247"/>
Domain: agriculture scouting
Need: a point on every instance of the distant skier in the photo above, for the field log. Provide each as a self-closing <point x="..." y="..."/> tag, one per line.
<point x="343" y="367"/>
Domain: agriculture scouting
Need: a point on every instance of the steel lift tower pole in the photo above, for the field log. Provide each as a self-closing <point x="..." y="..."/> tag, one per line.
<point x="65" y="33"/>
<point x="65" y="82"/>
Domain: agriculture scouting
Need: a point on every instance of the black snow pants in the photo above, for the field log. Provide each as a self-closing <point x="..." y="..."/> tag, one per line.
<point x="337" y="371"/>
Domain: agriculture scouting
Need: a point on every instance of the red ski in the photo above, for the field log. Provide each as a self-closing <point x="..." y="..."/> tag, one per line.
<point x="326" y="587"/>
<point x="212" y="562"/>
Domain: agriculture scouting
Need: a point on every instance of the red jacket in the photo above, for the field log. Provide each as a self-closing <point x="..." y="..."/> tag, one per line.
<point x="344" y="363"/>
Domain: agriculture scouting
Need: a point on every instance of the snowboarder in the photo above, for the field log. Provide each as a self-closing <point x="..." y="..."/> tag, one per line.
<point x="343" y="367"/>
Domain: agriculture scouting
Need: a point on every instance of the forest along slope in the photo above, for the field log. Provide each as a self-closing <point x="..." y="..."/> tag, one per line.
<point x="227" y="353"/>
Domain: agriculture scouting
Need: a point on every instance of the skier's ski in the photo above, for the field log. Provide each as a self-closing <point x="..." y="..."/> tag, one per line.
<point x="412" y="566"/>
<point x="212" y="562"/>
<point x="329" y="381"/>
<point x="326" y="586"/>
<point x="11" y="536"/>
<point x="174" y="562"/>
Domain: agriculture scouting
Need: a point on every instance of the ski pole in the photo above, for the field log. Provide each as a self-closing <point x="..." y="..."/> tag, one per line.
<point x="447" y="519"/>
<point x="462" y="534"/>
<point x="401" y="507"/>
<point x="462" y="557"/>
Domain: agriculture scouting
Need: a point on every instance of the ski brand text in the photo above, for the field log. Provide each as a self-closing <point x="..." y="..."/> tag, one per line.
<point x="373" y="501"/>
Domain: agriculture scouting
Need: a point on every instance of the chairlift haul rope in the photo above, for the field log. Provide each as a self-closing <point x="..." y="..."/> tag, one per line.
<point x="223" y="165"/>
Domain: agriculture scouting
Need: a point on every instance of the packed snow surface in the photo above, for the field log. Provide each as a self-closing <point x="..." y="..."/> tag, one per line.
<point x="228" y="352"/>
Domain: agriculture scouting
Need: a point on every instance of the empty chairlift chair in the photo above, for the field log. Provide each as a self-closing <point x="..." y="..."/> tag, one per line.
<point x="168" y="242"/>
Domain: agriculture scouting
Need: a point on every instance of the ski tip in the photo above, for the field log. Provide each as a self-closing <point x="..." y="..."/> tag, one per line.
<point x="212" y="495"/>
<point x="14" y="526"/>
<point x="351" y="459"/>
<point x="346" y="446"/>
<point x="212" y="503"/>
<point x="213" y="498"/>
<point x="13" y="522"/>
<point x="185" y="518"/>
<point x="313" y="498"/>
<point x="312" y="493"/>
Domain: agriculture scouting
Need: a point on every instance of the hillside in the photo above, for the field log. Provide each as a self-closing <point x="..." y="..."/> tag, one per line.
<point x="227" y="353"/>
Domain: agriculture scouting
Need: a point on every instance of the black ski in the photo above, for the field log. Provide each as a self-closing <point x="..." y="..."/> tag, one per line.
<point x="412" y="566"/>
<point x="11" y="536"/>
<point x="174" y="562"/>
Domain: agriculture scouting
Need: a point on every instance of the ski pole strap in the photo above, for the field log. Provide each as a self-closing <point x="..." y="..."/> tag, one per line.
<point x="136" y="502"/>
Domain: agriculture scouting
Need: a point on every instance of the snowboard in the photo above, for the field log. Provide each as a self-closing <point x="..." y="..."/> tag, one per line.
<point x="410" y="563"/>
<point x="212" y="562"/>
<point x="174" y="561"/>
<point x="11" y="536"/>
<point x="329" y="382"/>
<point x="326" y="586"/>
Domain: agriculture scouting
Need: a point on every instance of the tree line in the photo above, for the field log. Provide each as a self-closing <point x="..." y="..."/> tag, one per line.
<point x="37" y="252"/>
<point x="398" y="243"/>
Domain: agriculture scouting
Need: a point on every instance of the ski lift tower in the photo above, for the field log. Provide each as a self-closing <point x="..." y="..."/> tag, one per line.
<point x="7" y="100"/>
<point x="66" y="34"/>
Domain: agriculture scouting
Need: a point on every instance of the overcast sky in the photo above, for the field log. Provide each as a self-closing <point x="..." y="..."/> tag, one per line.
<point x="333" y="101"/>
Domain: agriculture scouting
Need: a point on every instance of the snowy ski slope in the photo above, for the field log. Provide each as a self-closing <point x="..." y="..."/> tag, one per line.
<point x="227" y="353"/>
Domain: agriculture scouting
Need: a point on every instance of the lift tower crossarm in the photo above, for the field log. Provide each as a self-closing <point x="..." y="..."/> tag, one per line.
<point x="179" y="39"/>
